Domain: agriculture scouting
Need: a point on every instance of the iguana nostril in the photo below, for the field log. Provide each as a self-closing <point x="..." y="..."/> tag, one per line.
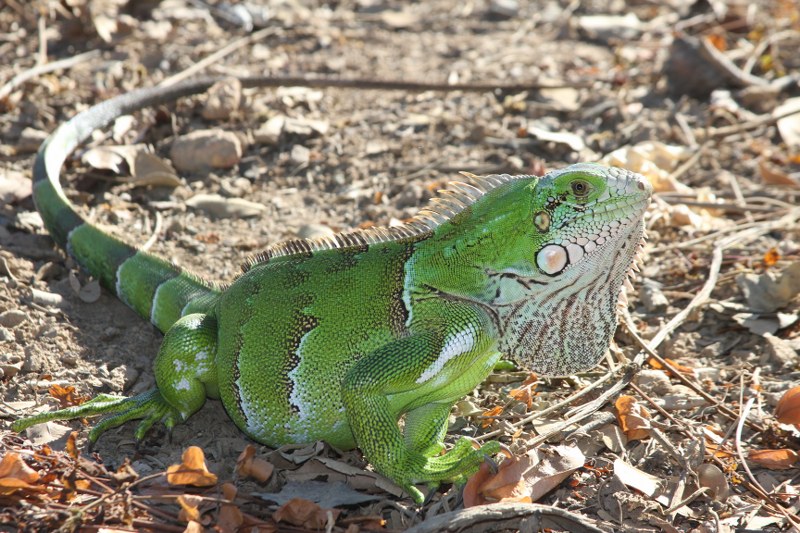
<point x="640" y="185"/>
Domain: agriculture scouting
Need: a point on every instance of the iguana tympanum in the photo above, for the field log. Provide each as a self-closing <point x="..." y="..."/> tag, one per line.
<point x="338" y="338"/>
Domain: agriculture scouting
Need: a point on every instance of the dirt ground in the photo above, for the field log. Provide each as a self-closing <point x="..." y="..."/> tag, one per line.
<point x="701" y="97"/>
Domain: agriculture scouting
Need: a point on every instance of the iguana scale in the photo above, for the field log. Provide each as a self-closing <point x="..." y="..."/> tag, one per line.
<point x="339" y="338"/>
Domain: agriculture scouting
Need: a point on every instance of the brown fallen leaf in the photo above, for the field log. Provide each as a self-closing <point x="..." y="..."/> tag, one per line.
<point x="192" y="470"/>
<point x="66" y="396"/>
<point x="771" y="257"/>
<point x="773" y="459"/>
<point x="524" y="393"/>
<point x="72" y="445"/>
<point x="16" y="475"/>
<point x="230" y="516"/>
<point x="788" y="409"/>
<point x="506" y="485"/>
<point x="305" y="513"/>
<point x="488" y="416"/>
<point x="634" y="420"/>
<point x="190" y="507"/>
<point x="247" y="465"/>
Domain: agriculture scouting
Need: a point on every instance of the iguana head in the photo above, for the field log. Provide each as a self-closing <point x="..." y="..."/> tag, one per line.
<point x="586" y="228"/>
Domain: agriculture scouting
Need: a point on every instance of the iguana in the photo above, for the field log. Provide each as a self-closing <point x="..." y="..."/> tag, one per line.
<point x="339" y="338"/>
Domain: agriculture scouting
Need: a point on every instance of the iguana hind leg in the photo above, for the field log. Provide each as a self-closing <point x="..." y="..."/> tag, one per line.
<point x="185" y="375"/>
<point x="421" y="375"/>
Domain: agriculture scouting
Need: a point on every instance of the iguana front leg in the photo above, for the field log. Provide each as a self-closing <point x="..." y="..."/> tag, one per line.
<point x="421" y="375"/>
<point x="185" y="376"/>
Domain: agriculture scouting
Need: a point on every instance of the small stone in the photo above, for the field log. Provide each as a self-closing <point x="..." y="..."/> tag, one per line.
<point x="314" y="231"/>
<point x="47" y="299"/>
<point x="654" y="382"/>
<point x="205" y="149"/>
<point x="300" y="155"/>
<point x="224" y="98"/>
<point x="779" y="353"/>
<point x="12" y="318"/>
<point x="652" y="297"/>
<point x="503" y="9"/>
<point x="270" y="132"/>
<point x="30" y="140"/>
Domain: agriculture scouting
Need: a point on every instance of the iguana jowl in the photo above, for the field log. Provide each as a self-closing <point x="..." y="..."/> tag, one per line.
<point x="336" y="339"/>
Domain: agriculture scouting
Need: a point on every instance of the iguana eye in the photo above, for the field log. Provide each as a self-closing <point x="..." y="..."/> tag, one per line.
<point x="580" y="188"/>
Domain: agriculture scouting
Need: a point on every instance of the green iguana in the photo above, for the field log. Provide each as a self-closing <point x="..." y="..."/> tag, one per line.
<point x="339" y="338"/>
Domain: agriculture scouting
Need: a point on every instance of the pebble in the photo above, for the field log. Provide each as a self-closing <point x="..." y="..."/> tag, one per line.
<point x="204" y="149"/>
<point x="300" y="155"/>
<point x="12" y="318"/>
<point x="270" y="132"/>
<point x="314" y="231"/>
<point x="47" y="299"/>
<point x="224" y="98"/>
<point x="221" y="207"/>
<point x="652" y="297"/>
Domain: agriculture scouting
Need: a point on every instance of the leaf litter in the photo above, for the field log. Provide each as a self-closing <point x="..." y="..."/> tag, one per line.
<point x="703" y="438"/>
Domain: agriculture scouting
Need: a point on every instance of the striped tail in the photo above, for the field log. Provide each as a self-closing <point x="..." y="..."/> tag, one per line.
<point x="156" y="289"/>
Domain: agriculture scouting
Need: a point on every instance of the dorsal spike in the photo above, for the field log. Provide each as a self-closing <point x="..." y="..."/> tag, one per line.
<point x="451" y="201"/>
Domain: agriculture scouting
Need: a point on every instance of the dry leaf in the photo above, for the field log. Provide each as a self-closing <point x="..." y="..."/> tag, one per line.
<point x="556" y="465"/>
<point x="190" y="504"/>
<point x="788" y="409"/>
<point x="633" y="418"/>
<point x="151" y="170"/>
<point x="672" y="365"/>
<point x="72" y="445"/>
<point x="66" y="396"/>
<point x="249" y="466"/>
<point x="192" y="470"/>
<point x="771" y="290"/>
<point x="506" y="485"/>
<point x="104" y="158"/>
<point x="642" y="481"/>
<point x="772" y="174"/>
<point x="16" y="475"/>
<point x="490" y="414"/>
<point x="230" y="516"/>
<point x="772" y="257"/>
<point x="773" y="459"/>
<point x="305" y="513"/>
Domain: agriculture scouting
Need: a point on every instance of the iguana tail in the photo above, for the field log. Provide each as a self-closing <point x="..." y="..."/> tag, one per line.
<point x="156" y="289"/>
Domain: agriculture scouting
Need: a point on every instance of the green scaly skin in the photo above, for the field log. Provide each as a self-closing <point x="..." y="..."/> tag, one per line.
<point x="337" y="339"/>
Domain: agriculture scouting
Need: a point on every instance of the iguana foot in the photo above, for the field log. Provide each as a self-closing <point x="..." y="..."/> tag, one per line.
<point x="454" y="466"/>
<point x="149" y="406"/>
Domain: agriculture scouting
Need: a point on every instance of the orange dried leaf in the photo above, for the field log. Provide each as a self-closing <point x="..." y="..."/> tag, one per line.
<point x="192" y="470"/>
<point x="194" y="527"/>
<point x="490" y="414"/>
<point x="633" y="418"/>
<point x="190" y="504"/>
<point x="523" y="395"/>
<point x="72" y="445"/>
<point x="247" y="465"/>
<point x="788" y="409"/>
<point x="773" y="459"/>
<point x="718" y="42"/>
<point x="771" y="257"/>
<point x="305" y="513"/>
<point x="506" y="485"/>
<point x="671" y="365"/>
<point x="66" y="396"/>
<point x="16" y="475"/>
<point x="230" y="516"/>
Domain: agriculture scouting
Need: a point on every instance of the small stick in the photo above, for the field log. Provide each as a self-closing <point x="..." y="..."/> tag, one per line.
<point x="216" y="56"/>
<point x="38" y="70"/>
